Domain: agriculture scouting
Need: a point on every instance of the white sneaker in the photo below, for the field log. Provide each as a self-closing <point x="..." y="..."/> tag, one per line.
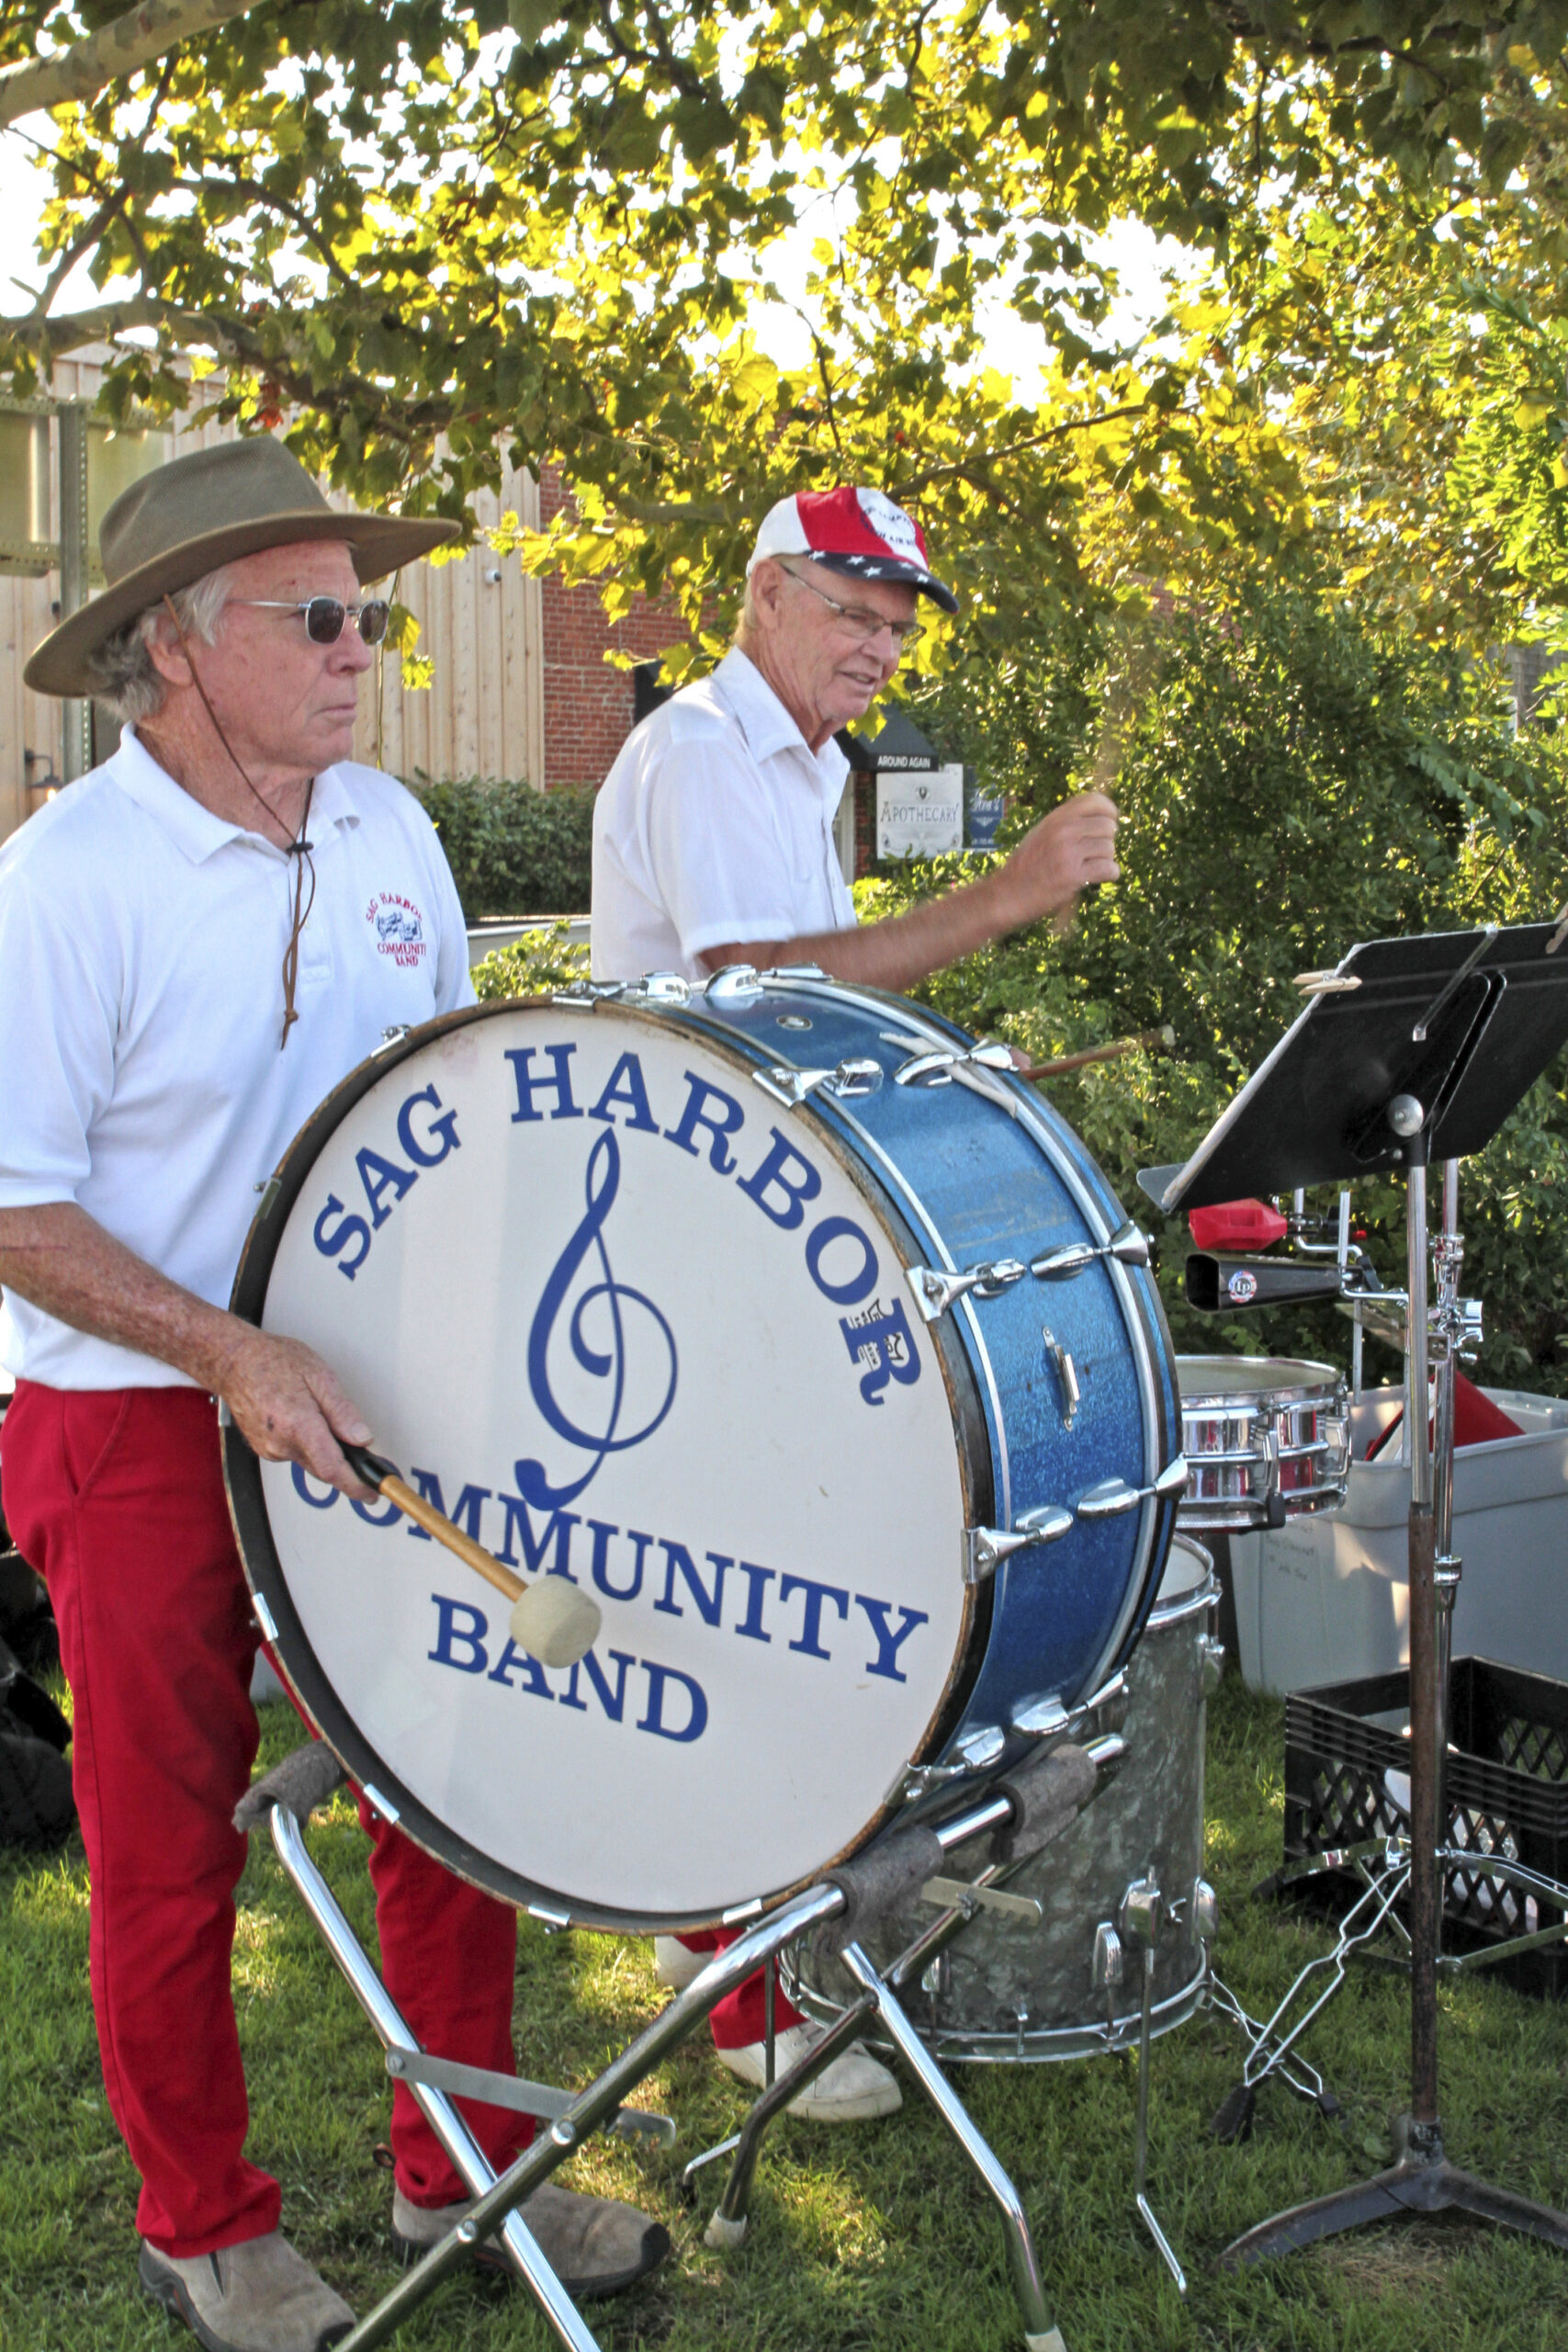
<point x="852" y="2089"/>
<point x="673" y="1966"/>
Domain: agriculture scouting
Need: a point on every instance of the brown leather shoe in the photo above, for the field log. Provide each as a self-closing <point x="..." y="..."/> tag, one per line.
<point x="595" y="2246"/>
<point x="258" y="2296"/>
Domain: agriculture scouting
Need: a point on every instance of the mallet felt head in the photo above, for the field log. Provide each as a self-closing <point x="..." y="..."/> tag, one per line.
<point x="555" y="1623"/>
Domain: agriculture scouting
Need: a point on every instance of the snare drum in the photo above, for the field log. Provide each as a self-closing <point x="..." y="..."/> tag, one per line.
<point x="815" y="1348"/>
<point x="1015" y="1993"/>
<point x="1266" y="1439"/>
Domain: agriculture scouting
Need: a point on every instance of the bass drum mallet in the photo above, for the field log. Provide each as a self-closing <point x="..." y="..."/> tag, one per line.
<point x="552" y="1619"/>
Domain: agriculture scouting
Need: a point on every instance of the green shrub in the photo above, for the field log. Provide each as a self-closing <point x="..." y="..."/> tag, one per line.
<point x="532" y="966"/>
<point x="513" y="851"/>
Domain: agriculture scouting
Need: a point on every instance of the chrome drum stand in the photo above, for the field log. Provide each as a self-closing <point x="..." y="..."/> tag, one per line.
<point x="1035" y="1805"/>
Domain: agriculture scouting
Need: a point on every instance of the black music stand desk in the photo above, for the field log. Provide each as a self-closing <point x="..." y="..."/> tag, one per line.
<point x="1411" y="1050"/>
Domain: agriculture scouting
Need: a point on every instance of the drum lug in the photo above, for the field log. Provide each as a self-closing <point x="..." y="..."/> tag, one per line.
<point x="934" y="1291"/>
<point x="1211" y="1658"/>
<point x="977" y="1751"/>
<point x="660" y="991"/>
<point x="984" y="1548"/>
<point x="734" y="984"/>
<point x="1109" y="1961"/>
<point x="1040" y="1718"/>
<point x="1205" y="1911"/>
<point x="582" y="996"/>
<point x="982" y="1747"/>
<point x="1109" y="1500"/>
<point x="1140" y="1910"/>
<point x="852" y="1082"/>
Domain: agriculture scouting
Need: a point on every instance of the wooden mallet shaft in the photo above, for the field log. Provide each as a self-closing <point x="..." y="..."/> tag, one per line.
<point x="552" y="1617"/>
<point x="1065" y="1062"/>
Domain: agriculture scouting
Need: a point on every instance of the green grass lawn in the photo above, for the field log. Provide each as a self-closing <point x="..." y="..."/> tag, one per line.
<point x="873" y="2235"/>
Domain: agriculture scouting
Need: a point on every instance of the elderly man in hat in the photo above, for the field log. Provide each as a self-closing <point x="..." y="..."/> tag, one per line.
<point x="188" y="963"/>
<point x="712" y="844"/>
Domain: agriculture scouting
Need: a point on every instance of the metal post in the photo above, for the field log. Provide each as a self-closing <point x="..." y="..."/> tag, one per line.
<point x="1424" y="1897"/>
<point x="1450" y="1256"/>
<point x="76" y="714"/>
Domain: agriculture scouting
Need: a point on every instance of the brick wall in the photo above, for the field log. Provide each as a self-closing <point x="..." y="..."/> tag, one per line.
<point x="588" y="703"/>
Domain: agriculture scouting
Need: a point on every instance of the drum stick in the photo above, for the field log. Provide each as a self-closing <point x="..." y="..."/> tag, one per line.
<point x="552" y="1619"/>
<point x="1064" y="1062"/>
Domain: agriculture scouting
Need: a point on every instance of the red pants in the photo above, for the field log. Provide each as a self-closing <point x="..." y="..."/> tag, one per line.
<point x="740" y="2018"/>
<point x="117" y="1497"/>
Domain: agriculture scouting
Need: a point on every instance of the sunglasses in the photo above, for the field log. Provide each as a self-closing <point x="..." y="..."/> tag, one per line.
<point x="325" y="615"/>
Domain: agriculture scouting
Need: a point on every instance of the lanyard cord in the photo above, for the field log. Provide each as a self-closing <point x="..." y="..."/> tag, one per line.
<point x="298" y="848"/>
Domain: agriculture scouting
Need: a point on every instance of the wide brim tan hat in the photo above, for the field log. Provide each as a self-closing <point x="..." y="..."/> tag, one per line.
<point x="194" y="515"/>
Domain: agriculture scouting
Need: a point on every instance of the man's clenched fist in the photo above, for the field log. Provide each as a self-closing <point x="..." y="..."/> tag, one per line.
<point x="1068" y="850"/>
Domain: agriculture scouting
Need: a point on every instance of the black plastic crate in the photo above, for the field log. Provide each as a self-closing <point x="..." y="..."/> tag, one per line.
<point x="1507" y="1790"/>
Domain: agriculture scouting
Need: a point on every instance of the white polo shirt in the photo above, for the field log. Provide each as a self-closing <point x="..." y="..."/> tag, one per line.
<point x="715" y="824"/>
<point x="141" y="943"/>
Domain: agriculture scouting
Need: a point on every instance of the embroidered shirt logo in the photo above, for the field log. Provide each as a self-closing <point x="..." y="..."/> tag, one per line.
<point x="398" y="927"/>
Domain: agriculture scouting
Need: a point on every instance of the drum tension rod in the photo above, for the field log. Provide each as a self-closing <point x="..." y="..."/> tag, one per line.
<point x="1111" y="1497"/>
<point x="937" y="1289"/>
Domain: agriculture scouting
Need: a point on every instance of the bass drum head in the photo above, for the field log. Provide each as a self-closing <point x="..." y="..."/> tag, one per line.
<point x="608" y="1306"/>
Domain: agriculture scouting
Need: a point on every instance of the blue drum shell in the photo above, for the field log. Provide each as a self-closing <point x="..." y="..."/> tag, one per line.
<point x="977" y="1176"/>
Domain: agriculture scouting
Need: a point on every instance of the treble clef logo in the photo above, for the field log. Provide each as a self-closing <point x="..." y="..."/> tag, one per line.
<point x="606" y="1302"/>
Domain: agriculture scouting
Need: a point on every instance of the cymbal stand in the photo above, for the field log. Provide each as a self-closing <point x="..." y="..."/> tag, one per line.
<point x="1421" y="2179"/>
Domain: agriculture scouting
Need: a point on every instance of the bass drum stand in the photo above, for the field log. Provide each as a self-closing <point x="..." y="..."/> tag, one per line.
<point x="1040" y="1801"/>
<point x="1393" y="1041"/>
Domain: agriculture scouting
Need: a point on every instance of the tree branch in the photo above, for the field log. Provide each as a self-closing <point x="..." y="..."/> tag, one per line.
<point x="115" y="49"/>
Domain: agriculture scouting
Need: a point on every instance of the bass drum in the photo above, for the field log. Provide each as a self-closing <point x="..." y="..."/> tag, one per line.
<point x="721" y="1304"/>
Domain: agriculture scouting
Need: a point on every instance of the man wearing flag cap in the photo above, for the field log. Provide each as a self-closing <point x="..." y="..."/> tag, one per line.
<point x="712" y="844"/>
<point x="713" y="837"/>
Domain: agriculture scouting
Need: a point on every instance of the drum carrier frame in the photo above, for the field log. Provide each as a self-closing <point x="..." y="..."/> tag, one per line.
<point x="1027" y="1805"/>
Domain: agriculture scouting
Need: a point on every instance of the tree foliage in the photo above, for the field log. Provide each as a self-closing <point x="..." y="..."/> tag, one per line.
<point x="1292" y="780"/>
<point x="416" y="230"/>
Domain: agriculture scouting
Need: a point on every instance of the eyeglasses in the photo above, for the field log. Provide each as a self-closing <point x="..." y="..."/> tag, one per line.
<point x="325" y="615"/>
<point x="860" y="618"/>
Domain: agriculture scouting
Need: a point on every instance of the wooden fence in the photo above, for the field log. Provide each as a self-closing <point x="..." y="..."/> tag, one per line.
<point x="480" y="619"/>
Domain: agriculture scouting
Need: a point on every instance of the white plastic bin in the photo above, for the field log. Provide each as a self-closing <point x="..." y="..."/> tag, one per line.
<point x="1325" y="1599"/>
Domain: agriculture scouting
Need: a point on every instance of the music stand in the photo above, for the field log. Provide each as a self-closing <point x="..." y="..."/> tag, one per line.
<point x="1411" y="1050"/>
